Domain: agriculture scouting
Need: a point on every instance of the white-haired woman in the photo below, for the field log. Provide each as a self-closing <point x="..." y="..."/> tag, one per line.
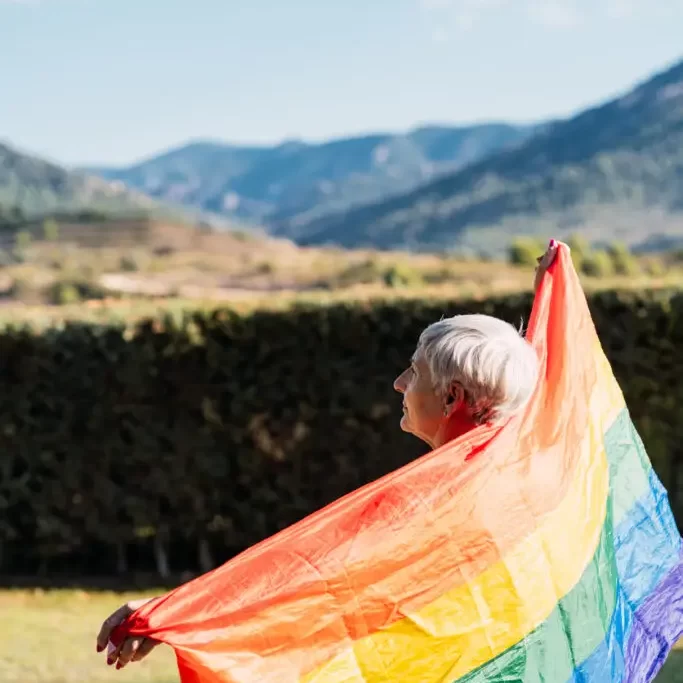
<point x="466" y="370"/>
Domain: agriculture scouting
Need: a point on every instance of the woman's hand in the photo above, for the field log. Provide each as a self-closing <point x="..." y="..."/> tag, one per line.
<point x="132" y="649"/>
<point x="544" y="262"/>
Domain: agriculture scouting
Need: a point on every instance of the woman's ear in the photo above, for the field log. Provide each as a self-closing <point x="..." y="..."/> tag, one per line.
<point x="454" y="398"/>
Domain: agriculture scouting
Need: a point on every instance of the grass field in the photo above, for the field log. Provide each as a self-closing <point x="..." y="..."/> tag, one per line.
<point x="181" y="263"/>
<point x="49" y="637"/>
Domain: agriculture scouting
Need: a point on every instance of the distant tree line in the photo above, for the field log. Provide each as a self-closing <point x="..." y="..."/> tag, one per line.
<point x="613" y="259"/>
<point x="11" y="217"/>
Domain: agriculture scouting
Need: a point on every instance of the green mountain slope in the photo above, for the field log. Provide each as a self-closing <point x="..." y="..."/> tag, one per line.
<point x="38" y="187"/>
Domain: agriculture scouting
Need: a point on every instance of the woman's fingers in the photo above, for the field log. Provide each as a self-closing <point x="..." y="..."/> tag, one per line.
<point x="145" y="648"/>
<point x="544" y="262"/>
<point x="134" y="650"/>
<point x="128" y="651"/>
<point x="109" y="624"/>
<point x="113" y="654"/>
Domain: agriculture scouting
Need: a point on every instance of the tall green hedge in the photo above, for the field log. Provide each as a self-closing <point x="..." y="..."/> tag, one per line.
<point x="174" y="446"/>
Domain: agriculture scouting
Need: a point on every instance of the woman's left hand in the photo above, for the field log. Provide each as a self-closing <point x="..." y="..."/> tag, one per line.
<point x="544" y="262"/>
<point x="133" y="649"/>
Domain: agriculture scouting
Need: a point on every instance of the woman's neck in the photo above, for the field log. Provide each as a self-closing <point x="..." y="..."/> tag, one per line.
<point x="454" y="426"/>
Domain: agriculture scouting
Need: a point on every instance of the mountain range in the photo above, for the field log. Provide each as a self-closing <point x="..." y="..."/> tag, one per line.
<point x="298" y="181"/>
<point x="612" y="172"/>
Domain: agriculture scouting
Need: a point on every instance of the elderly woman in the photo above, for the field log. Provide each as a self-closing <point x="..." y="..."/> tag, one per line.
<point x="466" y="370"/>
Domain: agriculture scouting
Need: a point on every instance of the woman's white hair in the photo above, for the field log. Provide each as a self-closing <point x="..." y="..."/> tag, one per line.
<point x="495" y="366"/>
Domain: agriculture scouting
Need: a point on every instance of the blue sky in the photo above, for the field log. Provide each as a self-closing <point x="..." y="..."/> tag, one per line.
<point x="113" y="81"/>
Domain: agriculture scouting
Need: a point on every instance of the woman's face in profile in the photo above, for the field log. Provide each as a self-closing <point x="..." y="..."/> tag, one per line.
<point x="423" y="408"/>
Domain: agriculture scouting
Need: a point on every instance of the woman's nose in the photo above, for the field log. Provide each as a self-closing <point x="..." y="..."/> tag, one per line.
<point x="399" y="383"/>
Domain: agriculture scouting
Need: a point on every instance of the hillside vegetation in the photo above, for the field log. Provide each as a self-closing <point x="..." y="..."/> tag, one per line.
<point x="36" y="187"/>
<point x="119" y="266"/>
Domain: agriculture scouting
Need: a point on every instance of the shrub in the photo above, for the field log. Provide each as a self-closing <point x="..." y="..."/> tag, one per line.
<point x="402" y="275"/>
<point x="146" y="447"/>
<point x="129" y="264"/>
<point x="524" y="251"/>
<point x="366" y="272"/>
<point x="654" y="267"/>
<point x="265" y="268"/>
<point x="23" y="240"/>
<point x="66" y="292"/>
<point x="597" y="264"/>
<point x="50" y="230"/>
<point x="624" y="262"/>
<point x="580" y="249"/>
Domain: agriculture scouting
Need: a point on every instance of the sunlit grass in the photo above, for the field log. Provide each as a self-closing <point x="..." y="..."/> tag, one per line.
<point x="49" y="637"/>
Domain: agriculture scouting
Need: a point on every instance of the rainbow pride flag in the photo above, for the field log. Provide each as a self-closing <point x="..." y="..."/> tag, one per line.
<point x="544" y="550"/>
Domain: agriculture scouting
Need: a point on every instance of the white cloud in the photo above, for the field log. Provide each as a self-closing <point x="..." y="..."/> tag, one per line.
<point x="436" y="4"/>
<point x="462" y="14"/>
<point x="554" y="13"/>
<point x="439" y="35"/>
<point x="630" y="9"/>
<point x="619" y="9"/>
<point x="31" y="3"/>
